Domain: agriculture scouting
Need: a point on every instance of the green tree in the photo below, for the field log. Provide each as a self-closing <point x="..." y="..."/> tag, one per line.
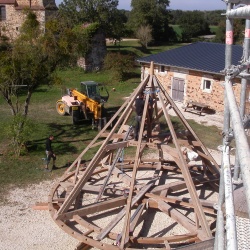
<point x="238" y="26"/>
<point x="104" y="12"/>
<point x="118" y="64"/>
<point x="153" y="13"/>
<point x="214" y="17"/>
<point x="118" y="27"/>
<point x="28" y="63"/>
<point x="193" y="24"/>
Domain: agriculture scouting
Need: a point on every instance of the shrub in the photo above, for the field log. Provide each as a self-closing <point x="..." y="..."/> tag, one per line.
<point x="118" y="64"/>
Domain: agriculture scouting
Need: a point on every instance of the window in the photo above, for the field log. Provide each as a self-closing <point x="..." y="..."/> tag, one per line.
<point x="207" y="85"/>
<point x="162" y="68"/>
<point x="2" y="13"/>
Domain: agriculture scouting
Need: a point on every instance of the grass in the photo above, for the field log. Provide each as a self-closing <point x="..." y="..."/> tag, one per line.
<point x="69" y="140"/>
<point x="213" y="28"/>
<point x="177" y="29"/>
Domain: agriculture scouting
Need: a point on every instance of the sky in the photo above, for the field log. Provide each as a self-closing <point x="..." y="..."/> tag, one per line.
<point x="180" y="4"/>
<point x="185" y="4"/>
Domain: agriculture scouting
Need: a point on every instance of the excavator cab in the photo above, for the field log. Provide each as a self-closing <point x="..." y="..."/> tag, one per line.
<point x="95" y="91"/>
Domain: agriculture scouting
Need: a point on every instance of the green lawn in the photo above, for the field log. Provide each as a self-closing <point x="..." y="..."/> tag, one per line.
<point x="69" y="140"/>
<point x="178" y="30"/>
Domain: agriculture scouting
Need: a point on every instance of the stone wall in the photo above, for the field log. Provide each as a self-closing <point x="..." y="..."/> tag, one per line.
<point x="15" y="15"/>
<point x="193" y="90"/>
<point x="93" y="61"/>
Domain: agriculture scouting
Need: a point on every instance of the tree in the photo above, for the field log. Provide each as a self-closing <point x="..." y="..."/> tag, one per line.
<point x="193" y="24"/>
<point x="238" y="32"/>
<point x="144" y="35"/>
<point x="104" y="12"/>
<point x="153" y="13"/>
<point x="118" y="27"/>
<point x="29" y="62"/>
<point x="118" y="64"/>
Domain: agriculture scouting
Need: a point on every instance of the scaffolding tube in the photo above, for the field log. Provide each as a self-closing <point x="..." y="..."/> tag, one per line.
<point x="241" y="12"/>
<point x="229" y="202"/>
<point x="240" y="140"/>
<point x="220" y="234"/>
<point x="244" y="83"/>
<point x="238" y="1"/>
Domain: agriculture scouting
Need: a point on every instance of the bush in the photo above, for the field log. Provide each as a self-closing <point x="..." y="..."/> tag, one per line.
<point x="118" y="64"/>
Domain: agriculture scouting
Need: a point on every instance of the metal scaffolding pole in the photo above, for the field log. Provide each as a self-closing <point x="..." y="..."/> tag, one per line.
<point x="229" y="203"/>
<point x="220" y="235"/>
<point x="244" y="83"/>
<point x="241" y="12"/>
<point x="240" y="140"/>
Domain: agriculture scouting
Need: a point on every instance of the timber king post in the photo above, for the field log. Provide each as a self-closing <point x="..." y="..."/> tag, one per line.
<point x="132" y="194"/>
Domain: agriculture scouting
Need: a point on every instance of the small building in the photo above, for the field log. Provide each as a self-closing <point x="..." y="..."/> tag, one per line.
<point x="194" y="73"/>
<point x="12" y="14"/>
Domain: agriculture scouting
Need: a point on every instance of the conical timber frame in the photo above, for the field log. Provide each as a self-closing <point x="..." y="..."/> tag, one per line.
<point x="111" y="187"/>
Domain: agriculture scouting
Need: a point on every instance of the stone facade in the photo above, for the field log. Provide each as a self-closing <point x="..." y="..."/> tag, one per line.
<point x="193" y="86"/>
<point x="12" y="14"/>
<point x="93" y="61"/>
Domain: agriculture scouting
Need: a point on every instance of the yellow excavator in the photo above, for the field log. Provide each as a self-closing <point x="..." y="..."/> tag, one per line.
<point x="85" y="104"/>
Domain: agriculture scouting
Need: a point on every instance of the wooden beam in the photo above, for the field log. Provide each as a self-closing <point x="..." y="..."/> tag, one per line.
<point x="94" y="208"/>
<point x="120" y="215"/>
<point x="177" y="216"/>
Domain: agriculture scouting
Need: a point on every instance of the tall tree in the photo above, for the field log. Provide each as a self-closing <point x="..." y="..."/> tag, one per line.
<point x="28" y="63"/>
<point x="103" y="12"/>
<point x="239" y="26"/>
<point x="193" y="24"/>
<point x="153" y="13"/>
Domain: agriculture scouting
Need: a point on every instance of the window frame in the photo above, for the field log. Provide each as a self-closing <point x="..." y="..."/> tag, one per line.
<point x="204" y="82"/>
<point x="2" y="12"/>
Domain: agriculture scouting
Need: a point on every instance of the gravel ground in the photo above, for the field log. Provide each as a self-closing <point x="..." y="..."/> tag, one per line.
<point x="23" y="228"/>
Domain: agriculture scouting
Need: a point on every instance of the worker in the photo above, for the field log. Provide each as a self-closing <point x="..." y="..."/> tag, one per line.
<point x="49" y="153"/>
<point x="139" y="106"/>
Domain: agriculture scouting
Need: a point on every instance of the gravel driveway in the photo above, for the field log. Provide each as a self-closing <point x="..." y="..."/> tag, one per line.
<point x="24" y="228"/>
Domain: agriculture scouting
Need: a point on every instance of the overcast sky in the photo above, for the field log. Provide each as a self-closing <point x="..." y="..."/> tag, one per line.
<point x="180" y="4"/>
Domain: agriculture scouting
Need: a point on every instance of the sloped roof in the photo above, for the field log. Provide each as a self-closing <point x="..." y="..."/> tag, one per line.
<point x="201" y="56"/>
<point x="7" y="1"/>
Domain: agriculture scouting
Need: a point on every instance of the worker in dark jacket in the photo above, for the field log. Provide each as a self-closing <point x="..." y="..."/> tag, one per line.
<point x="49" y="153"/>
<point x="139" y="106"/>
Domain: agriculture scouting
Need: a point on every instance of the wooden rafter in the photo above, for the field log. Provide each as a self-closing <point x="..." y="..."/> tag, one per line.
<point x="122" y="182"/>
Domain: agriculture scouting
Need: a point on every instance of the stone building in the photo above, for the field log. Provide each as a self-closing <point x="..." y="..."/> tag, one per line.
<point x="194" y="73"/>
<point x="93" y="61"/>
<point x="12" y="14"/>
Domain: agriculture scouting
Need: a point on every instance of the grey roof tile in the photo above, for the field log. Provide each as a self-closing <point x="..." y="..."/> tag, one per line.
<point x="201" y="56"/>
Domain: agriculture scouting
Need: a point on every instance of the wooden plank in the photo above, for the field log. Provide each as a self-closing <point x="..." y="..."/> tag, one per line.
<point x="137" y="161"/>
<point x="137" y="217"/>
<point x="40" y="206"/>
<point x="133" y="221"/>
<point x="120" y="215"/>
<point x="191" y="237"/>
<point x="186" y="174"/>
<point x="179" y="201"/>
<point x="187" y="143"/>
<point x="205" y="245"/>
<point x="83" y="245"/>
<point x="116" y="145"/>
<point x="177" y="216"/>
<point x="167" y="246"/>
<point x="94" y="208"/>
